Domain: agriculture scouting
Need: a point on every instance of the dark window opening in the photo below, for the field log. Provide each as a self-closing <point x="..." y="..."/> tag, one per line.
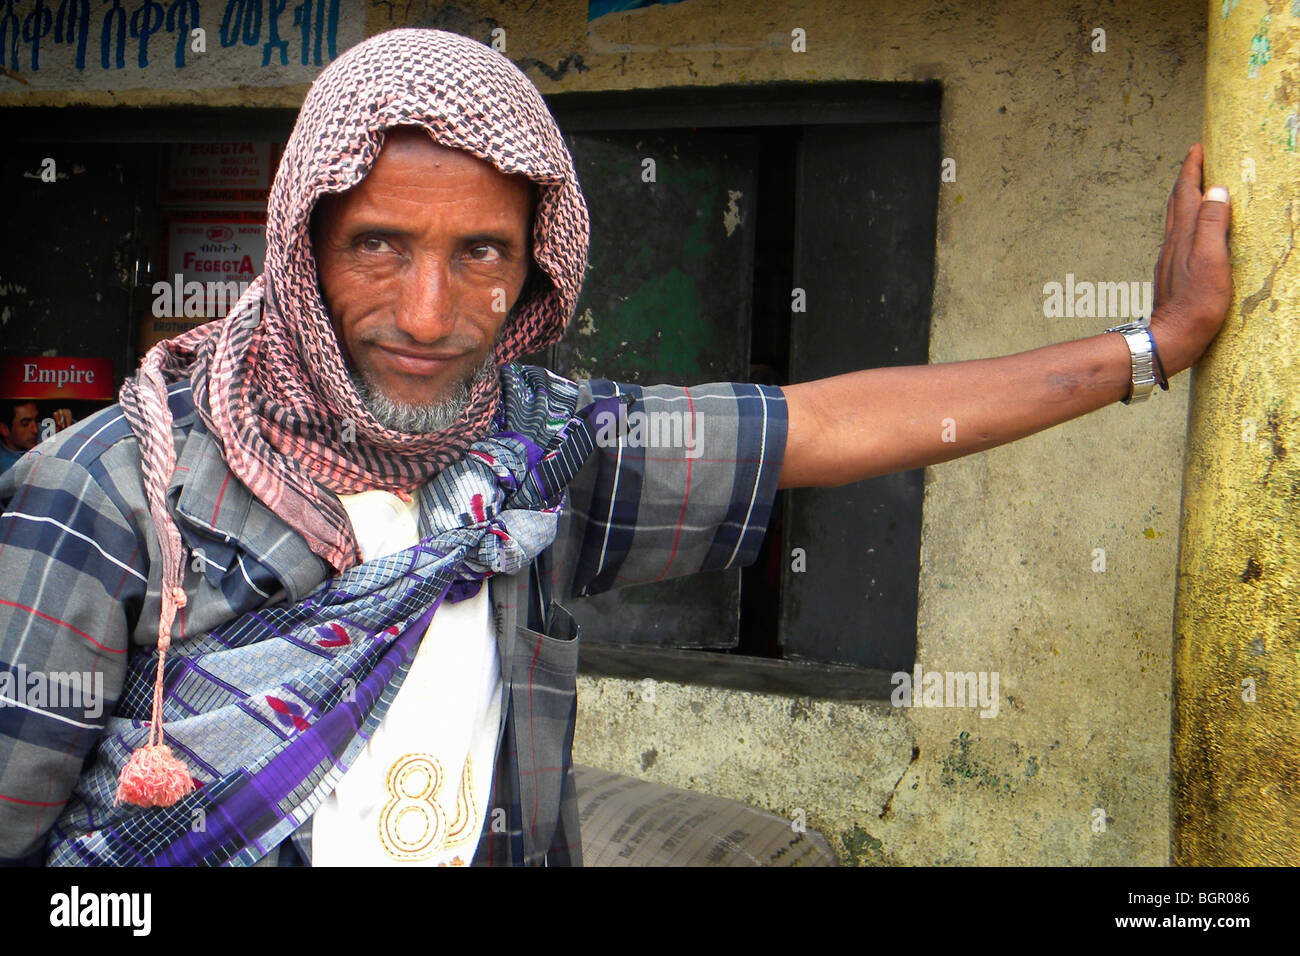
<point x="833" y="190"/>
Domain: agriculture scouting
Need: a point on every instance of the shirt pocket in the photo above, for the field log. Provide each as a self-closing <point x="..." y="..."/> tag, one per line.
<point x="543" y="697"/>
<point x="547" y="661"/>
<point x="226" y="579"/>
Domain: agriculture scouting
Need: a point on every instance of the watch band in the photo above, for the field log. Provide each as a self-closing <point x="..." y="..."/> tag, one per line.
<point x="1141" y="350"/>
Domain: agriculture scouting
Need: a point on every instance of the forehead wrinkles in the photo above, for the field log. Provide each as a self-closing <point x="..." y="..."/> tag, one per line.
<point x="415" y="179"/>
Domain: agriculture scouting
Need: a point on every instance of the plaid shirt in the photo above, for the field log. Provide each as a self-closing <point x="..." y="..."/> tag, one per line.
<point x="79" y="587"/>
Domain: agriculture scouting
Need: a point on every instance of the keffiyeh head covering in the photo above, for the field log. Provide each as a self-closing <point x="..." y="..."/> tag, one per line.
<point x="269" y="380"/>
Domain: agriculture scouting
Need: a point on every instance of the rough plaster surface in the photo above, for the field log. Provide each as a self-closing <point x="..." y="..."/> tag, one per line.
<point x="1064" y="160"/>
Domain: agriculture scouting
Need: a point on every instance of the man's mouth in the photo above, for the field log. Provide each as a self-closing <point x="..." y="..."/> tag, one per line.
<point x="419" y="363"/>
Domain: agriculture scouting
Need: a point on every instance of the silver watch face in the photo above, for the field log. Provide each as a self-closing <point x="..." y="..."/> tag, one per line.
<point x="1129" y="327"/>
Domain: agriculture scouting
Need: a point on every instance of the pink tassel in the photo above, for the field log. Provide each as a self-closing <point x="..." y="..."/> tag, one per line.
<point x="153" y="778"/>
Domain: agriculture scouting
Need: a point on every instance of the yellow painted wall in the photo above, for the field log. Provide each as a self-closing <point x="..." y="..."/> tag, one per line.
<point x="1236" y="747"/>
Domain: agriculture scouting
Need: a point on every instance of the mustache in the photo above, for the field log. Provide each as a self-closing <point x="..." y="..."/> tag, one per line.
<point x="396" y="339"/>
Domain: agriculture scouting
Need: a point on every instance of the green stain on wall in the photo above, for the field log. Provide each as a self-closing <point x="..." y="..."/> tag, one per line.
<point x="661" y="317"/>
<point x="861" y="848"/>
<point x="959" y="765"/>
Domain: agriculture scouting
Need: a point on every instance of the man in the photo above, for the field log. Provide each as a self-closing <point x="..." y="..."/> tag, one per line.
<point x="272" y="553"/>
<point x="22" y="432"/>
<point x="18" y="431"/>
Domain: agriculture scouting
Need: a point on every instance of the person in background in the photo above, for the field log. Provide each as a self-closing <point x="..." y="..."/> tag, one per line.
<point x="20" y="429"/>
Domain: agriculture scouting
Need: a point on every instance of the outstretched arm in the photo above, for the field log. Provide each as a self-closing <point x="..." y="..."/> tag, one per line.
<point x="882" y="420"/>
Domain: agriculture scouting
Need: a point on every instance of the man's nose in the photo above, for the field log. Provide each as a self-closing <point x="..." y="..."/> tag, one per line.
<point x="427" y="308"/>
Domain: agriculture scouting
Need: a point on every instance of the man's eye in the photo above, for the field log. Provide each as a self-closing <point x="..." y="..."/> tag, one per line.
<point x="374" y="244"/>
<point x="484" y="253"/>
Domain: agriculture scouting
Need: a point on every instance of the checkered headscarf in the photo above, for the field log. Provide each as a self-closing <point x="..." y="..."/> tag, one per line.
<point x="269" y="380"/>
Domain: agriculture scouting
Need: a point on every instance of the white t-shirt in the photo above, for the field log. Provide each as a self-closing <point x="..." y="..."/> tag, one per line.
<point x="418" y="792"/>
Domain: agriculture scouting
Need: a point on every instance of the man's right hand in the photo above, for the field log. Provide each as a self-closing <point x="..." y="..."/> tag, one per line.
<point x="1193" y="274"/>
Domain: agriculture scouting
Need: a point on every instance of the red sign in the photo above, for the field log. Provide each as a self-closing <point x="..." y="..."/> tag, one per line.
<point x="56" y="376"/>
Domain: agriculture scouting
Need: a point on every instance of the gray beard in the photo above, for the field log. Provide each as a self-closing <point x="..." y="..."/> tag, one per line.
<point x="421" y="419"/>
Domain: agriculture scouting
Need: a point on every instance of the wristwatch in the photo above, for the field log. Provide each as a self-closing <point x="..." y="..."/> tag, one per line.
<point x="1140" y="346"/>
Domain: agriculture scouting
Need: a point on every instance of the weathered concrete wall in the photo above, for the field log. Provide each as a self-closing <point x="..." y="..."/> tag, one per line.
<point x="1064" y="157"/>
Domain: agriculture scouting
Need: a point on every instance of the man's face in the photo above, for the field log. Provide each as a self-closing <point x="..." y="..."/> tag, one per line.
<point x="21" y="433"/>
<point x="420" y="263"/>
